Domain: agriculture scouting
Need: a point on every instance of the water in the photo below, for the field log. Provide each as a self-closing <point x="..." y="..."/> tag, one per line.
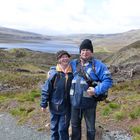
<point x="49" y="46"/>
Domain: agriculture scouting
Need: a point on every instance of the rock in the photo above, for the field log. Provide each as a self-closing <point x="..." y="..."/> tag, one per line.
<point x="116" y="135"/>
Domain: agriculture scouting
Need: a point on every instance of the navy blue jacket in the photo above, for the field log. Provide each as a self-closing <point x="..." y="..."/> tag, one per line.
<point x="56" y="91"/>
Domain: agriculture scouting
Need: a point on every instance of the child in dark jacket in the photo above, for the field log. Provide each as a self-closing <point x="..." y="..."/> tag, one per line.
<point x="56" y="91"/>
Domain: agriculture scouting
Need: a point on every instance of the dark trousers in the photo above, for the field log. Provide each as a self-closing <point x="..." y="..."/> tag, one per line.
<point x="59" y="126"/>
<point x="76" y="119"/>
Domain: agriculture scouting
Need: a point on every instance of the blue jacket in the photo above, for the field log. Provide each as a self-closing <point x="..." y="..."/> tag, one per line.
<point x="56" y="92"/>
<point x="96" y="71"/>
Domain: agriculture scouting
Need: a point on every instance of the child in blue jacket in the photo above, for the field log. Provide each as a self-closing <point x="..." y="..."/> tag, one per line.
<point x="55" y="91"/>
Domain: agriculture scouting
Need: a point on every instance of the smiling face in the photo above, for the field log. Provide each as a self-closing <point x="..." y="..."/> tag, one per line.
<point x="86" y="54"/>
<point x="64" y="60"/>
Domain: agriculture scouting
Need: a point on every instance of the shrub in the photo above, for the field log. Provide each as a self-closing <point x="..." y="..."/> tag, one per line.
<point x="18" y="111"/>
<point x="2" y="98"/>
<point x="135" y="130"/>
<point x="135" y="114"/>
<point x="114" y="105"/>
<point x="106" y="111"/>
<point x="119" y="115"/>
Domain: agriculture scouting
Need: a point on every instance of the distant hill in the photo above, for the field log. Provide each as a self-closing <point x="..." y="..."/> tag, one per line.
<point x="128" y="54"/>
<point x="106" y="42"/>
<point x="8" y="35"/>
<point x="102" y="42"/>
<point x="115" y="42"/>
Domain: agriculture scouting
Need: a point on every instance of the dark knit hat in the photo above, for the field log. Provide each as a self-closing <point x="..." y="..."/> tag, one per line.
<point x="60" y="53"/>
<point x="86" y="44"/>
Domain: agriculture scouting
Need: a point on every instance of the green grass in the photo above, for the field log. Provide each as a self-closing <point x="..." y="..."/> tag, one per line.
<point x="2" y="98"/>
<point x="108" y="108"/>
<point x="123" y="108"/>
<point x="19" y="52"/>
<point x="106" y="111"/>
<point x="136" y="137"/>
<point x="127" y="86"/>
<point x="24" y="102"/>
<point x="29" y="96"/>
<point x="23" y="80"/>
<point x="19" y="111"/>
<point x="101" y="50"/>
<point x="120" y="115"/>
<point x="135" y="114"/>
<point x="114" y="105"/>
<point x="135" y="130"/>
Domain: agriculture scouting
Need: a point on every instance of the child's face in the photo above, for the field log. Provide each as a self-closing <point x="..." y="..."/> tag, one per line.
<point x="64" y="60"/>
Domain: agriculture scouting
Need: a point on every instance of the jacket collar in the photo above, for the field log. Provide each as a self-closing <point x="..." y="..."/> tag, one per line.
<point x="60" y="69"/>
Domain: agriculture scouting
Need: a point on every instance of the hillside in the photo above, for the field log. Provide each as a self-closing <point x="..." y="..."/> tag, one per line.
<point x="106" y="42"/>
<point x="22" y="72"/>
<point x="126" y="55"/>
<point x="125" y="63"/>
<point x="8" y="35"/>
<point x="102" y="42"/>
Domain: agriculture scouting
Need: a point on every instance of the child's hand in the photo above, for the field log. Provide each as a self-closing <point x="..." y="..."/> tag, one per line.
<point x="43" y="109"/>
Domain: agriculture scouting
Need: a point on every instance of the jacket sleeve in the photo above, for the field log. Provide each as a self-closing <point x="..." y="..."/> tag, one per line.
<point x="45" y="92"/>
<point x="105" y="78"/>
<point x="73" y="65"/>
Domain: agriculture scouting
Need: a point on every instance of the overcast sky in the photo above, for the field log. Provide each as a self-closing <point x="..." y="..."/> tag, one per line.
<point x="70" y="16"/>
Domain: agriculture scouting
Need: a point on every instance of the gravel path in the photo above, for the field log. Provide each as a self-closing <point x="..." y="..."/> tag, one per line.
<point x="9" y="130"/>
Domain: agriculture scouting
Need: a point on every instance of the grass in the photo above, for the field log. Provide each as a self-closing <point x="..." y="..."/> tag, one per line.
<point x="102" y="49"/>
<point x="22" y="105"/>
<point x="136" y="132"/>
<point x="24" y="101"/>
<point x="2" y="98"/>
<point x="123" y="108"/>
<point x="136" y="137"/>
<point x="19" y="111"/>
<point x="120" y="115"/>
<point x="30" y="67"/>
<point x="106" y="111"/>
<point x="24" y="80"/>
<point x="114" y="105"/>
<point x="127" y="86"/>
<point x="135" y="114"/>
<point x="136" y="129"/>
<point x="29" y="96"/>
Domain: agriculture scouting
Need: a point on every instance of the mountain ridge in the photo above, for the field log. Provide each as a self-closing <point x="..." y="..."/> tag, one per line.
<point x="101" y="42"/>
<point x="8" y="35"/>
